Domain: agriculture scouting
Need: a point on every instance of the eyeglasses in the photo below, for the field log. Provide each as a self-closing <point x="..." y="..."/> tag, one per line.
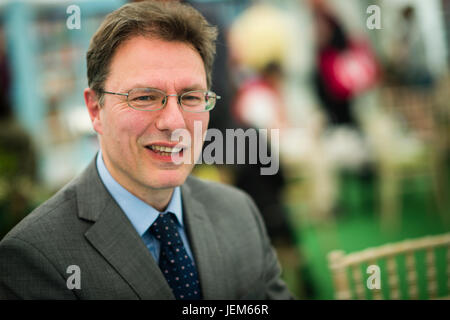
<point x="149" y="99"/>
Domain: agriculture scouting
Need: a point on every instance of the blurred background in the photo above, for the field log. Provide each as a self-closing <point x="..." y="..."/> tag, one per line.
<point x="359" y="90"/>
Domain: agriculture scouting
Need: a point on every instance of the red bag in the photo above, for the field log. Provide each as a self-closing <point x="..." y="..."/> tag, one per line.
<point x="350" y="72"/>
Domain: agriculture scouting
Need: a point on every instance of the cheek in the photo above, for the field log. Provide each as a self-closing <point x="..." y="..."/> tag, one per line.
<point x="197" y="123"/>
<point x="124" y="124"/>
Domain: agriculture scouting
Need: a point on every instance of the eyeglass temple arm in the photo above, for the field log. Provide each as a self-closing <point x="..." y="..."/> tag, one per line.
<point x="116" y="93"/>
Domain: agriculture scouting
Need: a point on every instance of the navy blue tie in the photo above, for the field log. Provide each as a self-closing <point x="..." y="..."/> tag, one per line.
<point x="175" y="263"/>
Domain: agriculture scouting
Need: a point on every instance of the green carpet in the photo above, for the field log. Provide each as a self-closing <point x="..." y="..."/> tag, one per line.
<point x="358" y="227"/>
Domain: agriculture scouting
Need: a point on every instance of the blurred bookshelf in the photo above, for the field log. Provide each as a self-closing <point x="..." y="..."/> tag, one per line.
<point x="48" y="69"/>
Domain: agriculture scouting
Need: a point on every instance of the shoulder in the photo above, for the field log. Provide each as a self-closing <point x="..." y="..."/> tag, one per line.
<point x="59" y="217"/>
<point x="31" y="253"/>
<point x="225" y="205"/>
<point x="217" y="193"/>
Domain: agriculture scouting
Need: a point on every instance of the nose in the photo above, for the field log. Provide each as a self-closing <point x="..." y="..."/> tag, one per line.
<point x="170" y="117"/>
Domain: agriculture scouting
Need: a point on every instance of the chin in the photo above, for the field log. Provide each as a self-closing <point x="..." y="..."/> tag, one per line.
<point x="166" y="180"/>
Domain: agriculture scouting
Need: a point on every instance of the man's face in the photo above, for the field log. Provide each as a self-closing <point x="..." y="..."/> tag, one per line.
<point x="126" y="134"/>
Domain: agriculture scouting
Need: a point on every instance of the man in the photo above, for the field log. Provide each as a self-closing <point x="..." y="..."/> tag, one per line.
<point x="134" y="225"/>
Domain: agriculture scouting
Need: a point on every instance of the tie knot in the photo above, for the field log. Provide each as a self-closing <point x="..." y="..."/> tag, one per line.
<point x="165" y="228"/>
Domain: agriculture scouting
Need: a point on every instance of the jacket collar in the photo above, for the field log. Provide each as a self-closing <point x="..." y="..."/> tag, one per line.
<point x="113" y="235"/>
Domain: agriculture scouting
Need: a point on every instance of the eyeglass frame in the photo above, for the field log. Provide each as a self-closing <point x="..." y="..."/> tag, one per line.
<point x="166" y="96"/>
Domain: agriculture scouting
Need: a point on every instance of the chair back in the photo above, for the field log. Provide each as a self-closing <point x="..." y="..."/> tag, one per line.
<point x="348" y="277"/>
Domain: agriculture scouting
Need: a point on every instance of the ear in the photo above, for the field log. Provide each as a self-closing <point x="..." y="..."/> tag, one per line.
<point x="93" y="106"/>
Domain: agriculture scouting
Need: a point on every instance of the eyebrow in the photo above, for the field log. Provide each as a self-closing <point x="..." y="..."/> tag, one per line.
<point x="185" y="89"/>
<point x="193" y="88"/>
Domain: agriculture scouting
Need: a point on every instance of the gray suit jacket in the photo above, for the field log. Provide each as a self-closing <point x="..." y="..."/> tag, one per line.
<point x="82" y="225"/>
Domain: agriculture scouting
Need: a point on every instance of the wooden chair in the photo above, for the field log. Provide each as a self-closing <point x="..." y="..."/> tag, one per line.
<point x="348" y="277"/>
<point x="412" y="143"/>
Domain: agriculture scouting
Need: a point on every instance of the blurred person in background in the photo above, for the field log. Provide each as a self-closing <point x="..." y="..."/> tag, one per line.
<point x="345" y="67"/>
<point x="258" y="104"/>
<point x="408" y="65"/>
<point x="260" y="42"/>
<point x="134" y="223"/>
<point x="408" y="76"/>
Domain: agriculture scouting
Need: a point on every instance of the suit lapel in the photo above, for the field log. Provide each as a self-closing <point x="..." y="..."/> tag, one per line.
<point x="204" y="245"/>
<point x="113" y="235"/>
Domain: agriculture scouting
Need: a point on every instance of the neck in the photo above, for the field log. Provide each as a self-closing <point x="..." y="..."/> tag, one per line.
<point x="157" y="198"/>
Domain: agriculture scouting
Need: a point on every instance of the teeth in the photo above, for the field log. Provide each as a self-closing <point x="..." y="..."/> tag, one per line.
<point x="165" y="150"/>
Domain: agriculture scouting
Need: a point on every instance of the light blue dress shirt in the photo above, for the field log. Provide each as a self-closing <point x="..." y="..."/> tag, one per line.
<point x="140" y="213"/>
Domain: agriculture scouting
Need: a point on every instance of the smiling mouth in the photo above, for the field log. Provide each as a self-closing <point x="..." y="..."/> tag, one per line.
<point x="164" y="151"/>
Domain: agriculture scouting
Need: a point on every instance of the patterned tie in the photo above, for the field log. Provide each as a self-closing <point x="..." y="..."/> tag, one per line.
<point x="175" y="263"/>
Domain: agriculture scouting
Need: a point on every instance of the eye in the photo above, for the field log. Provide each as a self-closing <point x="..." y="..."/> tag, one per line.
<point x="146" y="98"/>
<point x="193" y="98"/>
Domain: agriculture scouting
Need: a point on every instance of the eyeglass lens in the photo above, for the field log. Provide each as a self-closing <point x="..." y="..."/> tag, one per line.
<point x="195" y="101"/>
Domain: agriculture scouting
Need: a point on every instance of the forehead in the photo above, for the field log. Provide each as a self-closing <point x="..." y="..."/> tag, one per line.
<point x="167" y="65"/>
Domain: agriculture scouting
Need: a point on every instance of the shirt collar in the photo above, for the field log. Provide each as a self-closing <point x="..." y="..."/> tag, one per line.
<point x="141" y="214"/>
